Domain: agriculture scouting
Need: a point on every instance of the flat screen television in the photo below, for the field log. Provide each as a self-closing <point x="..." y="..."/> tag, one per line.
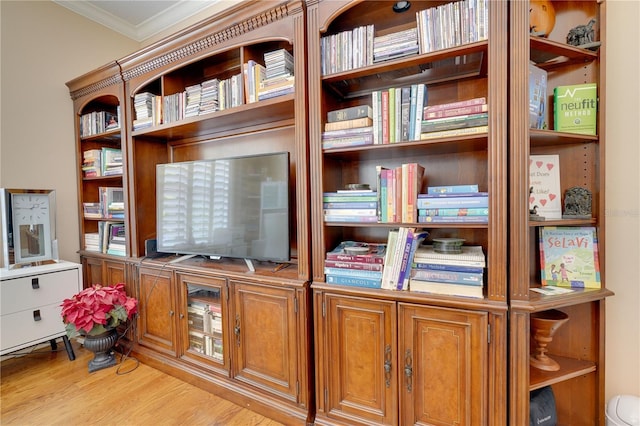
<point x="229" y="207"/>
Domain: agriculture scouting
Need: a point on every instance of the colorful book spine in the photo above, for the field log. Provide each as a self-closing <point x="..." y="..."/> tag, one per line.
<point x="449" y="189"/>
<point x="359" y="273"/>
<point x="453" y="219"/>
<point x="353" y="281"/>
<point x="454" y="212"/>
<point x="466" y="131"/>
<point x="349" y="124"/>
<point x="457" y="104"/>
<point x="452" y="123"/>
<point x="453" y="112"/>
<point x="426" y="201"/>
<point x="350" y="212"/>
<point x="453" y="277"/>
<point x="346" y="218"/>
<point x="452" y="268"/>
<point x="332" y="197"/>
<point x="360" y="266"/>
<point x="351" y="205"/>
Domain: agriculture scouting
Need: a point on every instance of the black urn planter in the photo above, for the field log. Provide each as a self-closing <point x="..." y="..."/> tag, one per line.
<point x="102" y="348"/>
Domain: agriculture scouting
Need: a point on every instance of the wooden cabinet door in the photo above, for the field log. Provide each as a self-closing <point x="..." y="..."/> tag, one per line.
<point x="114" y="272"/>
<point x="91" y="271"/>
<point x="265" y="338"/>
<point x="360" y="352"/>
<point x="443" y="378"/>
<point x="156" y="307"/>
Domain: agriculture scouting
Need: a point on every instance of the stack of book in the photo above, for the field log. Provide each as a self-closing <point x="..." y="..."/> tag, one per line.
<point x="111" y="161"/>
<point x="110" y="238"/>
<point x="92" y="210"/>
<point x="452" y="24"/>
<point x="397" y="113"/>
<point x="148" y="108"/>
<point x="453" y="274"/>
<point x="173" y="107"/>
<point x="279" y="79"/>
<point x="401" y="247"/>
<point x="350" y="126"/>
<point x="111" y="202"/>
<point x="192" y="98"/>
<point x="229" y="92"/>
<point x="92" y="241"/>
<point x="395" y="45"/>
<point x="455" y="119"/>
<point x="350" y="206"/>
<point x="92" y="163"/>
<point x="355" y="263"/>
<point x="207" y="99"/>
<point x="347" y="50"/>
<point x="453" y="207"/>
<point x="398" y="190"/>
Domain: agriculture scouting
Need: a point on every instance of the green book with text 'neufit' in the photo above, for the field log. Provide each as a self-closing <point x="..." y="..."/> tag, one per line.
<point x="575" y="108"/>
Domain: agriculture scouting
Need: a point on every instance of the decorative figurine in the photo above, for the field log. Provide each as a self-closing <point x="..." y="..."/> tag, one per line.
<point x="583" y="35"/>
<point x="533" y="212"/>
<point x="577" y="203"/>
<point x="542" y="17"/>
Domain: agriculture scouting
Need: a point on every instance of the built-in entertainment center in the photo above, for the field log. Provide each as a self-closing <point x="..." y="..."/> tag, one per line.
<point x="212" y="208"/>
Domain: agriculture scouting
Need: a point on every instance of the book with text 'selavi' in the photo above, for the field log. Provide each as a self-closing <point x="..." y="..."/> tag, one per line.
<point x="575" y="108"/>
<point x="569" y="257"/>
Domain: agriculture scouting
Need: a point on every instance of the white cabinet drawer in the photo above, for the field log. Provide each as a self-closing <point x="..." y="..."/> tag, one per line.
<point x="22" y="328"/>
<point x="23" y="293"/>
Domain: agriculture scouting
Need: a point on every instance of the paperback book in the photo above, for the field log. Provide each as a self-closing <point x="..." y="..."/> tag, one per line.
<point x="575" y="108"/>
<point x="544" y="181"/>
<point x="569" y="257"/>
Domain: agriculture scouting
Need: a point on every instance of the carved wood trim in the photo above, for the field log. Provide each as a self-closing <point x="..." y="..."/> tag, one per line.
<point x="96" y="87"/>
<point x="272" y="15"/>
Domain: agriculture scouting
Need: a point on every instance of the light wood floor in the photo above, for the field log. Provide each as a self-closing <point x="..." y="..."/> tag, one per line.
<point x="46" y="388"/>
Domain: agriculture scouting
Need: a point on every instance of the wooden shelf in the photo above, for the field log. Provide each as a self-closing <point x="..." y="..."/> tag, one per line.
<point x="569" y="369"/>
<point x="549" y="54"/>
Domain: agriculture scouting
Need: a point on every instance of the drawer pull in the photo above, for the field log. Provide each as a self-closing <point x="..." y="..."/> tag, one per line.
<point x="36" y="315"/>
<point x="35" y="284"/>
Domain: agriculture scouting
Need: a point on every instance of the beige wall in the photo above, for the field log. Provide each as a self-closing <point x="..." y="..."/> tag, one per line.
<point x="45" y="45"/>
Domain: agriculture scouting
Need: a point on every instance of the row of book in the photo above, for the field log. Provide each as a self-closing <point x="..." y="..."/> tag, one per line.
<point x="404" y="263"/>
<point x="109" y="206"/>
<point x="102" y="162"/>
<point x="259" y="82"/>
<point x="575" y="106"/>
<point x="452" y="24"/>
<point x="441" y="27"/>
<point x="397" y="113"/>
<point x="96" y="122"/>
<point x="398" y="190"/>
<point x="467" y="116"/>
<point x="110" y="239"/>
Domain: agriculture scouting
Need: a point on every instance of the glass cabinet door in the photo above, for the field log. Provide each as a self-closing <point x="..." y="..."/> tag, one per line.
<point x="204" y="319"/>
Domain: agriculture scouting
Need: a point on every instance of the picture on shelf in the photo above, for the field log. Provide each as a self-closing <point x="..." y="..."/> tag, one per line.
<point x="544" y="181"/>
<point x="569" y="257"/>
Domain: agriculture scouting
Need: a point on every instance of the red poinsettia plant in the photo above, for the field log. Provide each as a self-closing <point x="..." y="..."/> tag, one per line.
<point x="97" y="309"/>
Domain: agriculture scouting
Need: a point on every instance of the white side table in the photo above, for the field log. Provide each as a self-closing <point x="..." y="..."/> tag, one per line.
<point x="30" y="299"/>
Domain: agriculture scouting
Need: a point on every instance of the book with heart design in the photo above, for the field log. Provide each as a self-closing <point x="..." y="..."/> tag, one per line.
<point x="544" y="179"/>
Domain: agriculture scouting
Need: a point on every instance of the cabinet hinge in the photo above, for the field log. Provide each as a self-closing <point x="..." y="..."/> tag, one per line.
<point x="297" y="388"/>
<point x="226" y="292"/>
<point x="323" y="309"/>
<point x="488" y="333"/>
<point x="326" y="397"/>
<point x="295" y="304"/>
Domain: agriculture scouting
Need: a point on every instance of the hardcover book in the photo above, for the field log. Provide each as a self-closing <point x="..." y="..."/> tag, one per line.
<point x="359" y="111"/>
<point x="544" y="181"/>
<point x="569" y="257"/>
<point x="575" y="108"/>
<point x="537" y="97"/>
<point x="354" y="251"/>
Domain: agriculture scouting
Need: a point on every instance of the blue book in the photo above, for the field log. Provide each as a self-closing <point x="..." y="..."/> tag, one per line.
<point x="452" y="268"/>
<point x="447" y="276"/>
<point x="353" y="281"/>
<point x="358" y="273"/>
<point x="452" y="189"/>
<point x="440" y="201"/>
<point x="453" y="219"/>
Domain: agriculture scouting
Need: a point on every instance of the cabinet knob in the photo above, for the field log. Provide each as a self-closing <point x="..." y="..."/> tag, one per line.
<point x="35" y="283"/>
<point x="36" y="315"/>
<point x="171" y="313"/>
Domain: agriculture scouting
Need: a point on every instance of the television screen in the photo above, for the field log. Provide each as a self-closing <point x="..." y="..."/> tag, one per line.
<point x="230" y="207"/>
